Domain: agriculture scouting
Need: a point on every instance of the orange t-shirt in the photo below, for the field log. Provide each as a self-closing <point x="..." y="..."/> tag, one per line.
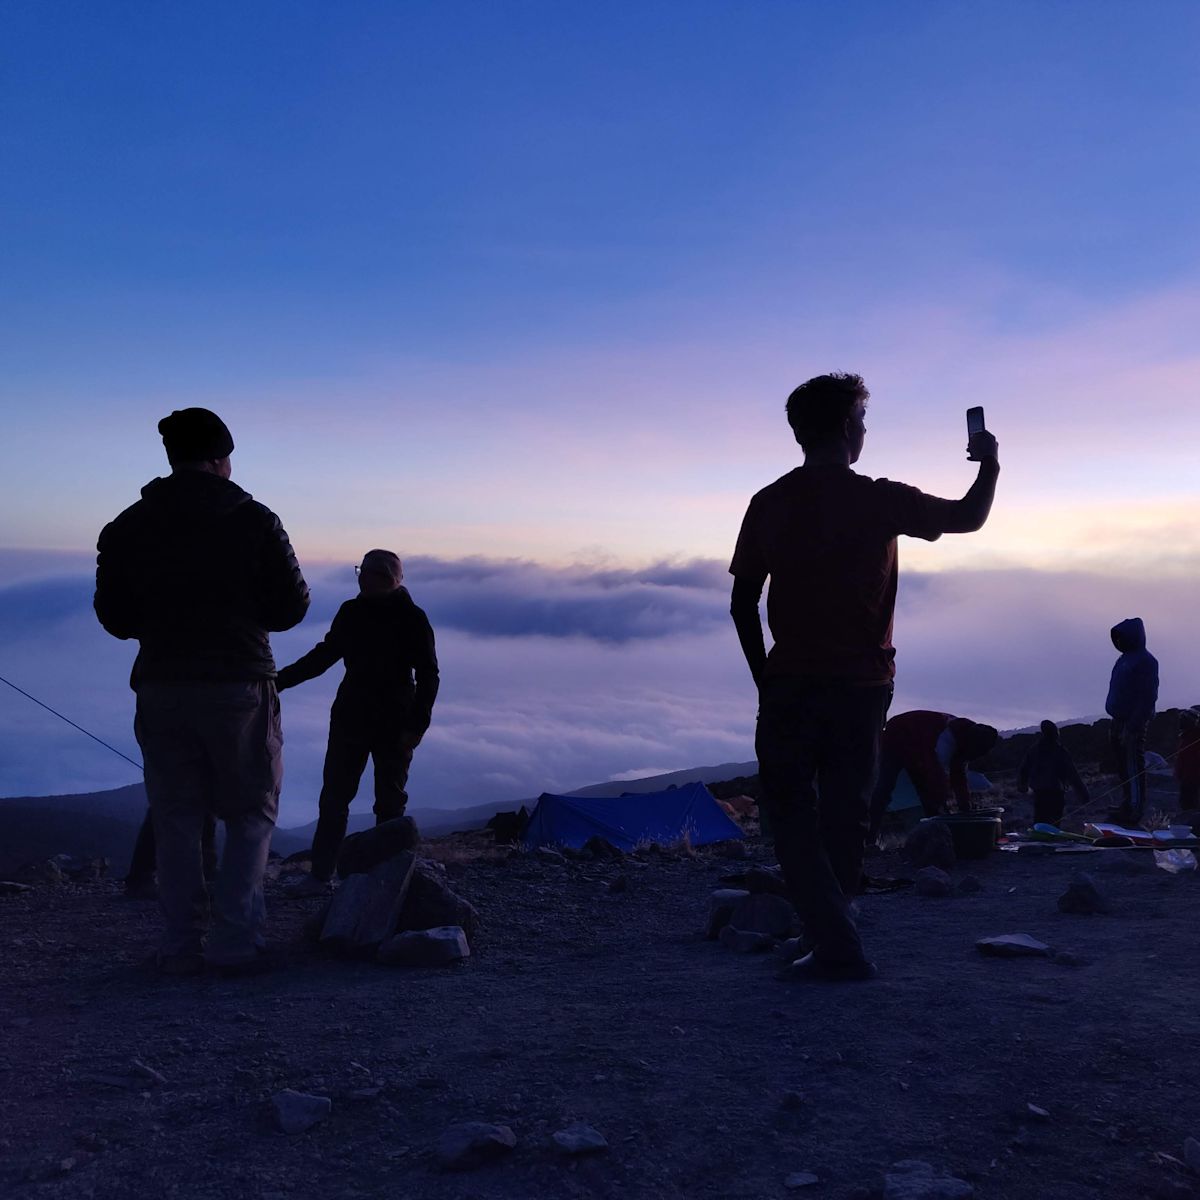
<point x="826" y="537"/>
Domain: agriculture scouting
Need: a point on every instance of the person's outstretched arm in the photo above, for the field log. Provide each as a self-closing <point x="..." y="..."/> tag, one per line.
<point x="317" y="661"/>
<point x="743" y="608"/>
<point x="971" y="512"/>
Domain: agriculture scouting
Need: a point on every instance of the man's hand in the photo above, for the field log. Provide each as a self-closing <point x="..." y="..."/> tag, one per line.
<point x="981" y="446"/>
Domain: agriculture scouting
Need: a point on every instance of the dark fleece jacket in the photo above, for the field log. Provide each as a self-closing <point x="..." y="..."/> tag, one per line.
<point x="198" y="572"/>
<point x="385" y="641"/>
<point x="1133" y="687"/>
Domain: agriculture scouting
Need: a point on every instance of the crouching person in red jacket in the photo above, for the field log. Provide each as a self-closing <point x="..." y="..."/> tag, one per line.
<point x="934" y="748"/>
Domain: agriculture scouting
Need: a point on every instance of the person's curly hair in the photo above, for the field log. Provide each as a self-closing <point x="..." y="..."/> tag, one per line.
<point x="817" y="409"/>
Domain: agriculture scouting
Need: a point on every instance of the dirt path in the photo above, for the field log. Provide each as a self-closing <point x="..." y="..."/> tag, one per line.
<point x="707" y="1076"/>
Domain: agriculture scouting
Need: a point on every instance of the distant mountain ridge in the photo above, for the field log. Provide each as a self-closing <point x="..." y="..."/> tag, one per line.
<point x="105" y="824"/>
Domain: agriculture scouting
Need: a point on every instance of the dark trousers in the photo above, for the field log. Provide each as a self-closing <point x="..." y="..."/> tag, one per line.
<point x="1189" y="795"/>
<point x="818" y="748"/>
<point x="1048" y="805"/>
<point x="1129" y="750"/>
<point x="142" y="864"/>
<point x="211" y="748"/>
<point x="350" y="745"/>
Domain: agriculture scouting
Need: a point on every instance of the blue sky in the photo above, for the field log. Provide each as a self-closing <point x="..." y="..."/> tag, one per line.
<point x="531" y="281"/>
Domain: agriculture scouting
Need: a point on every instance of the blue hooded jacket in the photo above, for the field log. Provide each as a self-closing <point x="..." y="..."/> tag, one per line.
<point x="1133" y="688"/>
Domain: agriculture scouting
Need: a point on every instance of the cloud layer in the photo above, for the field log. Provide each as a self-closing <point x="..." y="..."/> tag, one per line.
<point x="558" y="677"/>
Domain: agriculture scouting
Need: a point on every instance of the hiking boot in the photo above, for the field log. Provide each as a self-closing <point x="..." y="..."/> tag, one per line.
<point x="308" y="886"/>
<point x="812" y="968"/>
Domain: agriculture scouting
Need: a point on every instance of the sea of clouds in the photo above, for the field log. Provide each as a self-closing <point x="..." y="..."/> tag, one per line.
<point x="556" y="677"/>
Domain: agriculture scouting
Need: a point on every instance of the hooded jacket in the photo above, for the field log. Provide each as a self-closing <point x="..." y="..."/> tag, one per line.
<point x="1133" y="687"/>
<point x="198" y="572"/>
<point x="384" y="641"/>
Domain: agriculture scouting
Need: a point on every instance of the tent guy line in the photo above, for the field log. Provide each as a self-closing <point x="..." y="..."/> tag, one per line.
<point x="68" y="720"/>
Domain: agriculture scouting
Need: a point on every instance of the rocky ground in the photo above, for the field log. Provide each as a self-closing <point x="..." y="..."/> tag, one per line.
<point x="585" y="1003"/>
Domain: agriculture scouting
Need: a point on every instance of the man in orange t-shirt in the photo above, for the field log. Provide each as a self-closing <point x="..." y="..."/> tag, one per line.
<point x="826" y="538"/>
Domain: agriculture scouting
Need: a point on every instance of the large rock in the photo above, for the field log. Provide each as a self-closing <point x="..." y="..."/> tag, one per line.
<point x="426" y="948"/>
<point x="295" y="1112"/>
<point x="361" y="852"/>
<point x="365" y="910"/>
<point x="1082" y="897"/>
<point x="720" y="908"/>
<point x="473" y="1143"/>
<point x="431" y="903"/>
<point x="916" y="1180"/>
<point x="933" y="881"/>
<point x="764" y="912"/>
<point x="930" y="844"/>
<point x="345" y="911"/>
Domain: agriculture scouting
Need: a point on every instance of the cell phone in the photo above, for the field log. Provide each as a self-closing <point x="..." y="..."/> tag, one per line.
<point x="974" y="421"/>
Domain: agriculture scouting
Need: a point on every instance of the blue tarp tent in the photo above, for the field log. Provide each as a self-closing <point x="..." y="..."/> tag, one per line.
<point x="626" y="821"/>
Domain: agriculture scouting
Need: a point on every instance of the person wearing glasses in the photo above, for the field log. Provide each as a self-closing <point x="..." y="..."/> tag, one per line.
<point x="383" y="705"/>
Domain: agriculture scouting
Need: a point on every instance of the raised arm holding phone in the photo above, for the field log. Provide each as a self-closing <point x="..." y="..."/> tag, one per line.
<point x="825" y="536"/>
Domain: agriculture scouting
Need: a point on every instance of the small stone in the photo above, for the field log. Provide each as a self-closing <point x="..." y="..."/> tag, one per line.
<point x="1191" y="1154"/>
<point x="1082" y="897"/>
<point x="1012" y="945"/>
<point x="968" y="885"/>
<point x="745" y="941"/>
<point x="426" y="948"/>
<point x="733" y="850"/>
<point x="1036" y="1111"/>
<point x="933" y="881"/>
<point x="546" y="854"/>
<point x="296" y="1112"/>
<point x="9" y="887"/>
<point x="792" y="1101"/>
<point x="580" y="1139"/>
<point x="618" y="885"/>
<point x="473" y="1143"/>
<point x="1065" y="958"/>
<point x="155" y="1077"/>
<point x="793" y="949"/>
<point x="916" y="1180"/>
<point x="800" y="1179"/>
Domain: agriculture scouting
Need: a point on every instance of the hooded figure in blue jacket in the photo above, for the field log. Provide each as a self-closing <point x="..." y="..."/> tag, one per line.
<point x="1132" y="695"/>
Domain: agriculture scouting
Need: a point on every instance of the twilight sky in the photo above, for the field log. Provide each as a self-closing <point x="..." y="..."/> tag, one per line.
<point x="519" y="289"/>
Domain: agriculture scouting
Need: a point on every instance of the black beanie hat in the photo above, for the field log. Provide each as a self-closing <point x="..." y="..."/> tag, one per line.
<point x="195" y="435"/>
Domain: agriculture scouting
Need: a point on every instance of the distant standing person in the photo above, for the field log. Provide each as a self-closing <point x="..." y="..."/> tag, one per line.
<point x="1187" y="760"/>
<point x="1132" y="695"/>
<point x="826" y="538"/>
<point x="199" y="573"/>
<point x="1048" y="769"/>
<point x="383" y="706"/>
<point x="935" y="748"/>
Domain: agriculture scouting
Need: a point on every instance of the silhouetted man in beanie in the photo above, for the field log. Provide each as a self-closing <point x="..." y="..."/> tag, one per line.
<point x="199" y="572"/>
<point x="383" y="706"/>
<point x="826" y="538"/>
